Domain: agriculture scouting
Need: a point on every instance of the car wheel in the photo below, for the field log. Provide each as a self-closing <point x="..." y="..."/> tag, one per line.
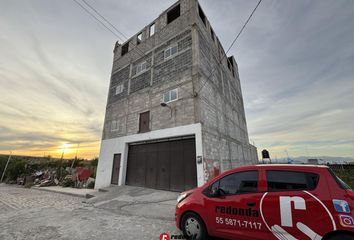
<point x="193" y="227"/>
<point x="341" y="236"/>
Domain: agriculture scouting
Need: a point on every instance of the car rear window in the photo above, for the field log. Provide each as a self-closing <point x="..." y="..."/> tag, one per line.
<point x="340" y="182"/>
<point x="279" y="180"/>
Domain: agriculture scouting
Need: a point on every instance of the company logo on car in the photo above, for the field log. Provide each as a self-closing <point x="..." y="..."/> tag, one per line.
<point x="164" y="236"/>
<point x="346" y="221"/>
<point x="249" y="212"/>
<point x="297" y="216"/>
<point x="341" y="206"/>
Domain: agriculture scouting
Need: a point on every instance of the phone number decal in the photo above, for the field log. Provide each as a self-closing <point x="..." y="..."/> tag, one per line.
<point x="238" y="223"/>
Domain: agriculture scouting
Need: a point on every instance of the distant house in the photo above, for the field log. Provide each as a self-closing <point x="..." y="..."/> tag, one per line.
<point x="313" y="161"/>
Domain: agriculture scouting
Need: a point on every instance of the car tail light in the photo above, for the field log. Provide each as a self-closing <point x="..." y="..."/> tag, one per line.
<point x="350" y="194"/>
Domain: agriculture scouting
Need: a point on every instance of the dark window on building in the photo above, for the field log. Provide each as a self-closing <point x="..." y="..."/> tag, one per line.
<point x="238" y="183"/>
<point x="139" y="38"/>
<point x="212" y="34"/>
<point x="201" y="14"/>
<point x="144" y="122"/>
<point x="125" y="49"/>
<point x="229" y="65"/>
<point x="173" y="14"/>
<point x="230" y="60"/>
<point x="288" y="180"/>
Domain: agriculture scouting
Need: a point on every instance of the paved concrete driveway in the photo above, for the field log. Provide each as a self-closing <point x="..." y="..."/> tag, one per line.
<point x="121" y="213"/>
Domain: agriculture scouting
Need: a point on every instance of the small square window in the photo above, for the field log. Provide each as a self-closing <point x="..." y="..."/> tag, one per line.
<point x="140" y="67"/>
<point x="170" y="51"/>
<point x="170" y="96"/>
<point x="152" y="29"/>
<point x="119" y="89"/>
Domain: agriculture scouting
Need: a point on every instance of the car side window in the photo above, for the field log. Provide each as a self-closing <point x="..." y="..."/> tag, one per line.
<point x="279" y="180"/>
<point x="238" y="183"/>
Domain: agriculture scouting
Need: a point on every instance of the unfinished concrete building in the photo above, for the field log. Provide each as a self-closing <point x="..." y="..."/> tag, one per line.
<point x="175" y="114"/>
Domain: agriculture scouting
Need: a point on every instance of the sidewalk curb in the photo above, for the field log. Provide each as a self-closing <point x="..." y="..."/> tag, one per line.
<point x="86" y="195"/>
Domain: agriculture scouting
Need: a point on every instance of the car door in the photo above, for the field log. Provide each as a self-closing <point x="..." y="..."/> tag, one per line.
<point x="292" y="209"/>
<point x="234" y="213"/>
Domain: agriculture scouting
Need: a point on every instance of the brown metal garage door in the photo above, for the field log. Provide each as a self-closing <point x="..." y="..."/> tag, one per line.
<point x="168" y="165"/>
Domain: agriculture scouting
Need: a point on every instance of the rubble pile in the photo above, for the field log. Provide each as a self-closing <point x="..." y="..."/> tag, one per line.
<point x="78" y="177"/>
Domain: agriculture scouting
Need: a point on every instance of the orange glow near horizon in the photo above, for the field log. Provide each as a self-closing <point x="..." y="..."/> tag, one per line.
<point x="86" y="151"/>
<point x="65" y="148"/>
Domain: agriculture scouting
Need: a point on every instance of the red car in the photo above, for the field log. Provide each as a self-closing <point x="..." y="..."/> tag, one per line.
<point x="284" y="202"/>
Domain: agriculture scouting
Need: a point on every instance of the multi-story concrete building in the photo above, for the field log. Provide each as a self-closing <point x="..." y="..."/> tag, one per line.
<point x="175" y="114"/>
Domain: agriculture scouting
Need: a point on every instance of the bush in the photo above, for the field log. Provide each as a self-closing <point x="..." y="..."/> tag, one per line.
<point x="347" y="175"/>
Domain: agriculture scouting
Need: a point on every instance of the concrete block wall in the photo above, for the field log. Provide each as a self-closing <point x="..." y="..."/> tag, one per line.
<point x="128" y="110"/>
<point x="171" y="69"/>
<point x="225" y="138"/>
<point x="144" y="91"/>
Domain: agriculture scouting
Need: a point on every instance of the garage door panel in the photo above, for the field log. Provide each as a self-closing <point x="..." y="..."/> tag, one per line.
<point x="163" y="173"/>
<point x="140" y="166"/>
<point x="151" y="166"/>
<point x="133" y="156"/>
<point x="190" y="164"/>
<point x="177" y="167"/>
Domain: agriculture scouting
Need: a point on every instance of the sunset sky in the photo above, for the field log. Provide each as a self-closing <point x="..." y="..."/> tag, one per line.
<point x="296" y="64"/>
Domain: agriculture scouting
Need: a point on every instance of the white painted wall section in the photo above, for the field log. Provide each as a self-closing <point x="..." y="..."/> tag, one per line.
<point x="113" y="146"/>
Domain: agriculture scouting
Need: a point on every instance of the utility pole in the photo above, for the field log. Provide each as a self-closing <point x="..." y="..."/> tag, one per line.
<point x="61" y="164"/>
<point x="72" y="165"/>
<point x="7" y="163"/>
<point x="287" y="154"/>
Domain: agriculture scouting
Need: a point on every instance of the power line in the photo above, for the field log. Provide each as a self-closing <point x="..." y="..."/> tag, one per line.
<point x="99" y="14"/>
<point x="233" y="42"/>
<point x="96" y="18"/>
<point x="135" y="48"/>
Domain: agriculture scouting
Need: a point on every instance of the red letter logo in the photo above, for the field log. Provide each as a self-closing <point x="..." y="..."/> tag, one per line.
<point x="164" y="236"/>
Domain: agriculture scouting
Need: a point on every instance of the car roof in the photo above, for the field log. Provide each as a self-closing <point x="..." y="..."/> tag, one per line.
<point x="276" y="166"/>
<point x="299" y="167"/>
<point x="292" y="165"/>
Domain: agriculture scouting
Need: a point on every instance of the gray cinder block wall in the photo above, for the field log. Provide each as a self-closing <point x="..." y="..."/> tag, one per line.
<point x="214" y="101"/>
